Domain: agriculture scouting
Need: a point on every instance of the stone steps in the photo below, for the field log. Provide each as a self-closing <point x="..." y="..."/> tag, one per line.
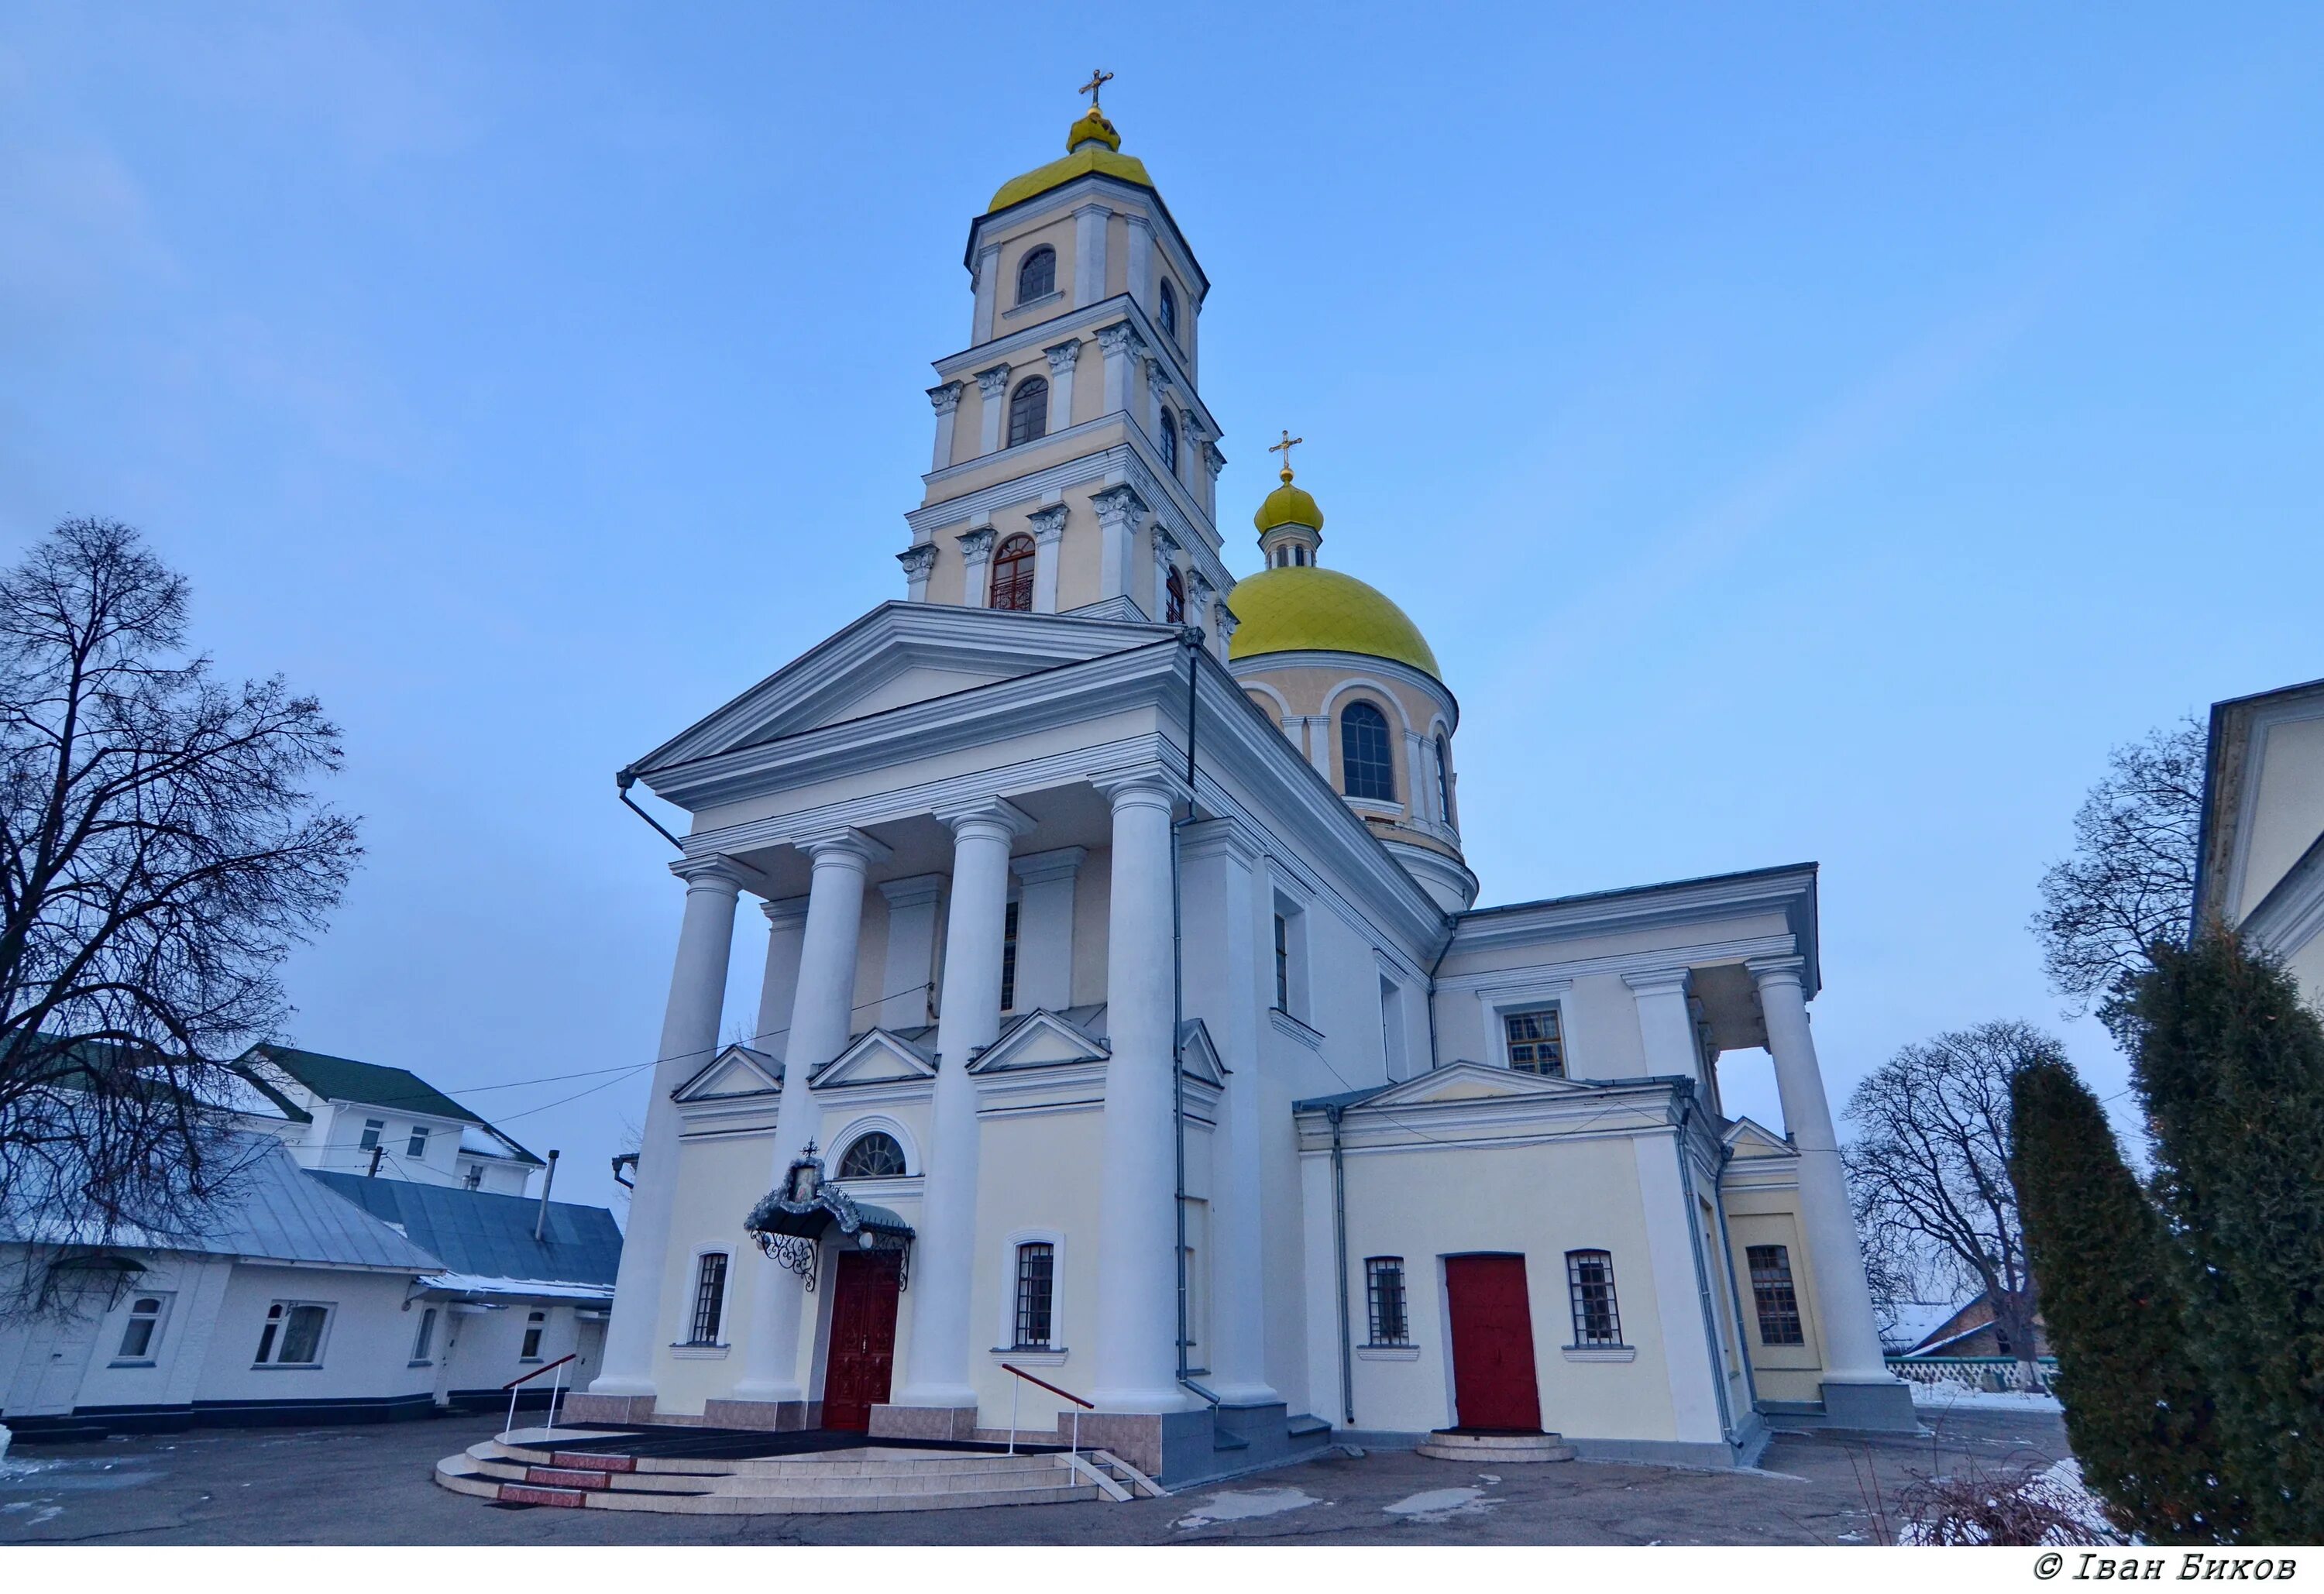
<point x="1497" y="1450"/>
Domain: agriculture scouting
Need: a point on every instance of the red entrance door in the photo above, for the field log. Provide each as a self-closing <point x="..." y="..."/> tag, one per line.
<point x="1492" y="1344"/>
<point x="863" y="1353"/>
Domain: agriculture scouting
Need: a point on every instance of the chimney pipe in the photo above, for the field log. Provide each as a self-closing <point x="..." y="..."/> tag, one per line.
<point x="547" y="1179"/>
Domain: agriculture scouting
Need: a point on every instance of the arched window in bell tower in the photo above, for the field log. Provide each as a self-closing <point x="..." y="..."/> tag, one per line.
<point x="1174" y="600"/>
<point x="1170" y="442"/>
<point x="1168" y="313"/>
<point x="1365" y="767"/>
<point x="1012" y="574"/>
<point x="1037" y="274"/>
<point x="1028" y="411"/>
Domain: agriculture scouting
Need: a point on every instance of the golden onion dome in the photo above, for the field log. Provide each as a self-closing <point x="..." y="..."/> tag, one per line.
<point x="1306" y="608"/>
<point x="1287" y="506"/>
<point x="1092" y="144"/>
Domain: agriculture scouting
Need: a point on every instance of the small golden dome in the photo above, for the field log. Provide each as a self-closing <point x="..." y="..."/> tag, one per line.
<point x="1091" y="126"/>
<point x="1092" y="144"/>
<point x="1287" y="506"/>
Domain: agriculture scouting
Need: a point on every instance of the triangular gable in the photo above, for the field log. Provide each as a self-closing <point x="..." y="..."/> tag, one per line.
<point x="1751" y="1138"/>
<point x="1040" y="1039"/>
<point x="1471" y="1081"/>
<point x="738" y="1070"/>
<point x="1197" y="1057"/>
<point x="877" y="1056"/>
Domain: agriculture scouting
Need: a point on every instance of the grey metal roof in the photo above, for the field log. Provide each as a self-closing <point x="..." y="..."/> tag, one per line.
<point x="487" y="1236"/>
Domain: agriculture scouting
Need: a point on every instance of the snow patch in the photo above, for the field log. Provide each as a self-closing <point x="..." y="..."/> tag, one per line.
<point x="1244" y="1505"/>
<point x="1945" y="1397"/>
<point x="1435" y="1505"/>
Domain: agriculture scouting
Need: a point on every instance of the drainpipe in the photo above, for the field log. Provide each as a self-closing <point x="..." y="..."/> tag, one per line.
<point x="540" y="1220"/>
<point x="1340" y="1246"/>
<point x="1701" y="1272"/>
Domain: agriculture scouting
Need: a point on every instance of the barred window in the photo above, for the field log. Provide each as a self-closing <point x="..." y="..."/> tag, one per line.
<point x="709" y="1298"/>
<point x="1037" y="274"/>
<point x="1536" y="1044"/>
<point x="1366" y="769"/>
<point x="1384" y="1290"/>
<point x="1174" y="599"/>
<point x="1028" y="411"/>
<point x="1771" y="1292"/>
<point x="875" y="1155"/>
<point x="1036" y="1265"/>
<point x="1590" y="1276"/>
<point x="1012" y="574"/>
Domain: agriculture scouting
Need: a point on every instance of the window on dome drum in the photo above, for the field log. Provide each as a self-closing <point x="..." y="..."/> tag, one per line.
<point x="1028" y="411"/>
<point x="139" y="1337"/>
<point x="709" y="1298"/>
<point x="1174" y="600"/>
<point x="1012" y="574"/>
<point x="1169" y="313"/>
<point x="1536" y="1043"/>
<point x="1009" y="960"/>
<point x="1443" y="778"/>
<point x="1037" y="1281"/>
<point x="1773" y="1295"/>
<point x="1590" y="1276"/>
<point x="1365" y="771"/>
<point x="875" y="1155"/>
<point x="1384" y="1290"/>
<point x="1037" y="274"/>
<point x="1170" y="442"/>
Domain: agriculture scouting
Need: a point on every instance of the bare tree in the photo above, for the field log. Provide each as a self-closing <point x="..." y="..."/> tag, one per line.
<point x="1929" y="1168"/>
<point x="159" y="851"/>
<point x="2130" y="882"/>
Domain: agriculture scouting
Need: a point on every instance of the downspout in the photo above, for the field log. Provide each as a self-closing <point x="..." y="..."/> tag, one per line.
<point x="1734" y="1287"/>
<point x="1702" y="1273"/>
<point x="1191" y="639"/>
<point x="1340" y="1247"/>
<point x="623" y="780"/>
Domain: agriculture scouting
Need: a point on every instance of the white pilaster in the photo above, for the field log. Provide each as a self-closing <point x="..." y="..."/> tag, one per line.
<point x="1319" y="744"/>
<point x="992" y="387"/>
<point x="1119" y="512"/>
<point x="1089" y="253"/>
<point x="1140" y="262"/>
<point x="944" y="1264"/>
<point x="1048" y="524"/>
<point x="1063" y="357"/>
<point x="976" y="562"/>
<point x="911" y="955"/>
<point x="690" y="1034"/>
<point x="1045" y="927"/>
<point x="779" y="986"/>
<point x="1121" y="346"/>
<point x="821" y="1016"/>
<point x="1851" y="1337"/>
<point x="1665" y="1023"/>
<point x="946" y="401"/>
<point x="1136" y="1361"/>
<point x="988" y="290"/>
<point x="918" y="560"/>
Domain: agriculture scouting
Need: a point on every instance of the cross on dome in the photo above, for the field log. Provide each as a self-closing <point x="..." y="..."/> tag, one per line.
<point x="1285" y="449"/>
<point x="1099" y="78"/>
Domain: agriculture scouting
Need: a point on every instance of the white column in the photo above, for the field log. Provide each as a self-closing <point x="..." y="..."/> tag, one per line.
<point x="821" y="1016"/>
<point x="1228" y="987"/>
<point x="918" y="560"/>
<point x="944" y="1259"/>
<point x="947" y="401"/>
<point x="1140" y="262"/>
<point x="1119" y="512"/>
<point x="1120" y="344"/>
<point x="988" y="290"/>
<point x="1045" y="927"/>
<point x="911" y="956"/>
<point x="779" y="987"/>
<point x="1665" y="1024"/>
<point x="1063" y="357"/>
<point x="976" y="559"/>
<point x="1089" y="253"/>
<point x="993" y="386"/>
<point x="1048" y="524"/>
<point x="1851" y="1337"/>
<point x="689" y="1035"/>
<point x="1137" y="1359"/>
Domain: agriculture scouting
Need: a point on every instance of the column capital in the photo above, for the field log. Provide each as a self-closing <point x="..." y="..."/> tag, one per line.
<point x="1650" y="981"/>
<point x="1063" y="355"/>
<point x="1152" y="786"/>
<point x="946" y="398"/>
<point x="918" y="559"/>
<point x="912" y="890"/>
<point x="1049" y="521"/>
<point x="842" y="846"/>
<point x="712" y="871"/>
<point x="1164" y="545"/>
<point x="1092" y="209"/>
<point x="1038" y="868"/>
<point x="1118" y="504"/>
<point x="785" y="913"/>
<point x="977" y="543"/>
<point x="1121" y="338"/>
<point x="1199" y="589"/>
<point x="1779" y="971"/>
<point x="992" y="381"/>
<point x="1213" y="460"/>
<point x="987" y="813"/>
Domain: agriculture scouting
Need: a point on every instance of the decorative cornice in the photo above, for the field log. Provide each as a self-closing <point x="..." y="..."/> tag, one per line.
<point x="913" y="891"/>
<point x="1034" y="869"/>
<point x="1131" y="459"/>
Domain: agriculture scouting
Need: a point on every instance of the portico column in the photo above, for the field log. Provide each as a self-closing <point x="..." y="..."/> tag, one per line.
<point x="1137" y="1362"/>
<point x="1062" y="359"/>
<point x="947" y="401"/>
<point x="779" y="986"/>
<point x="690" y="1034"/>
<point x="944" y="1264"/>
<point x="1049" y="532"/>
<point x="976" y="559"/>
<point x="1119" y="510"/>
<point x="992" y="387"/>
<point x="1851" y="1337"/>
<point x="821" y="1019"/>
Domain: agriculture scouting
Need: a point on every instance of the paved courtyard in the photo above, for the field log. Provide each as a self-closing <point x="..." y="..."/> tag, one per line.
<point x="371" y="1486"/>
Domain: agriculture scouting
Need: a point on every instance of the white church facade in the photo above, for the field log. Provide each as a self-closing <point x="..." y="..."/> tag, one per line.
<point x="1127" y="1023"/>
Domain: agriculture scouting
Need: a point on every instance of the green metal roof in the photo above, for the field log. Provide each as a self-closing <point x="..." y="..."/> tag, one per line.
<point x="343" y="1079"/>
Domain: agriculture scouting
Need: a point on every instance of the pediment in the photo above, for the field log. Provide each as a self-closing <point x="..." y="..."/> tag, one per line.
<point x="879" y="1056"/>
<point x="736" y="1072"/>
<point x="1752" y="1138"/>
<point x="897" y="655"/>
<point x="1040" y="1039"/>
<point x="1473" y="1081"/>
<point x="1197" y="1057"/>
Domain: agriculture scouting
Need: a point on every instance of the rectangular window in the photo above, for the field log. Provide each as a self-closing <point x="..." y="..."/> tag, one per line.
<point x="1384" y="1290"/>
<point x="709" y="1298"/>
<point x="1590" y="1276"/>
<point x="535" y="1322"/>
<point x="1536" y="1045"/>
<point x="423" y="1343"/>
<point x="142" y="1335"/>
<point x="417" y="1147"/>
<point x="474" y="1177"/>
<point x="294" y="1334"/>
<point x="1009" y="960"/>
<point x="1282" y="963"/>
<point x="1771" y="1292"/>
<point x="1037" y="1285"/>
<point x="374" y="1128"/>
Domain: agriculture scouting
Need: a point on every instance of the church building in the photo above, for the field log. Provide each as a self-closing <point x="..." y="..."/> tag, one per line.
<point x="1131" y="1051"/>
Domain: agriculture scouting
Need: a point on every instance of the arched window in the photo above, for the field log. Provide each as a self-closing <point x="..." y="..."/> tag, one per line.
<point x="1037" y="274"/>
<point x="1443" y="778"/>
<point x="875" y="1155"/>
<point x="1174" y="600"/>
<point x="1169" y="311"/>
<point x="1012" y="574"/>
<point x="1170" y="442"/>
<point x="1028" y="411"/>
<point x="1364" y="766"/>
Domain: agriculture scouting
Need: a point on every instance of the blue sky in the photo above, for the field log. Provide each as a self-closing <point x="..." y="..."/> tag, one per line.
<point x="1804" y="432"/>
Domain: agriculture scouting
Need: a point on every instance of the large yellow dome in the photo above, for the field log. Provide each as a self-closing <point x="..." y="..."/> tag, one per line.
<point x="1306" y="608"/>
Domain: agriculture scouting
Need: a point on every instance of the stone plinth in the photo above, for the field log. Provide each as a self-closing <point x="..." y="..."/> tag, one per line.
<point x="764" y="1417"/>
<point x="924" y="1422"/>
<point x="1515" y="1449"/>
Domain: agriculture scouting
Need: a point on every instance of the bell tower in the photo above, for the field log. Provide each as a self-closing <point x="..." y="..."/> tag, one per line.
<point x="1076" y="464"/>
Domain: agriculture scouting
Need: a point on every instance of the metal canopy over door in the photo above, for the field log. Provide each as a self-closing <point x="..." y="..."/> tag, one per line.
<point x="1493" y="1383"/>
<point x="863" y="1353"/>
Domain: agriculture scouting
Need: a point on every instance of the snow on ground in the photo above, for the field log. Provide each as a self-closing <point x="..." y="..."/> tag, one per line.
<point x="1940" y="1398"/>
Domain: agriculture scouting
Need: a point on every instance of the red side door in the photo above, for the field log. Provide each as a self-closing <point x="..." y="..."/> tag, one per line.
<point x="862" y="1357"/>
<point x="1493" y="1382"/>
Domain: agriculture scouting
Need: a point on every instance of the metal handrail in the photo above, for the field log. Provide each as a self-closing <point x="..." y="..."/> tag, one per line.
<point x="1080" y="1406"/>
<point x="555" y="1394"/>
<point x="536" y="1372"/>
